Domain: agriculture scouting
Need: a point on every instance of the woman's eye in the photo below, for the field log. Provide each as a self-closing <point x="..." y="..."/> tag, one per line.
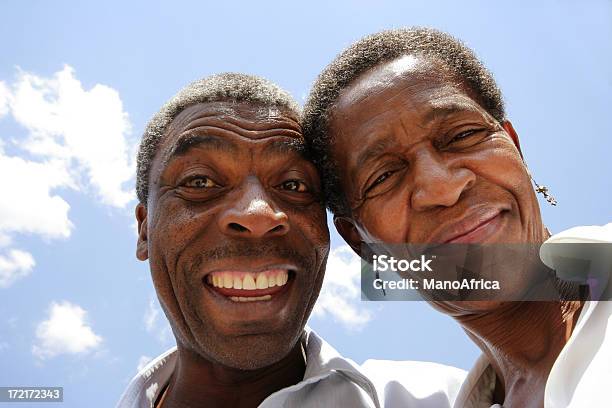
<point x="295" y="186"/>
<point x="381" y="179"/>
<point x="464" y="135"/>
<point x="200" y="182"/>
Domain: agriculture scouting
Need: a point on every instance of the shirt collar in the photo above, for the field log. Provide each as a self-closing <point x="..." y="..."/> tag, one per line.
<point x="322" y="360"/>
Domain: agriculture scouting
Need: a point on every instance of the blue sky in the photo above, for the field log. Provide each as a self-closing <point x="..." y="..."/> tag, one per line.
<point x="78" y="81"/>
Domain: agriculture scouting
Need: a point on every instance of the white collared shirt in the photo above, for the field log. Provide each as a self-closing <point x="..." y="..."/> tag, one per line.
<point x="329" y="381"/>
<point x="582" y="373"/>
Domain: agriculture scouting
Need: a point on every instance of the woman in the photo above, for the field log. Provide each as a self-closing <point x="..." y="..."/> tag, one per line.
<point x="409" y="131"/>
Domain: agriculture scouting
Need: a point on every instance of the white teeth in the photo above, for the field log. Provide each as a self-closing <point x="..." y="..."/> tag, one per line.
<point x="262" y="281"/>
<point x="281" y="278"/>
<point x="237" y="282"/>
<point x="250" y="299"/>
<point x="228" y="281"/>
<point x="248" y="281"/>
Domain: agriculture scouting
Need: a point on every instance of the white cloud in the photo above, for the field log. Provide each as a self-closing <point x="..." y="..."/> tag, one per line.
<point x="14" y="266"/>
<point x="86" y="128"/>
<point x="151" y="314"/>
<point x="142" y="362"/>
<point x="65" y="332"/>
<point x="75" y="138"/>
<point x="156" y="323"/>
<point x="3" y="346"/>
<point x="341" y="293"/>
<point x="28" y="205"/>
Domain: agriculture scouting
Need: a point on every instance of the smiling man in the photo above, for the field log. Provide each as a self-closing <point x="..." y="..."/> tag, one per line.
<point x="232" y="223"/>
<point x="409" y="131"/>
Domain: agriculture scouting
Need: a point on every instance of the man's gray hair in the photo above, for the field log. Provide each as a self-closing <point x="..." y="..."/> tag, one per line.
<point x="221" y="87"/>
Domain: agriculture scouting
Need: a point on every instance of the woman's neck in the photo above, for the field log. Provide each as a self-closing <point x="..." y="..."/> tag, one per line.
<point x="522" y="340"/>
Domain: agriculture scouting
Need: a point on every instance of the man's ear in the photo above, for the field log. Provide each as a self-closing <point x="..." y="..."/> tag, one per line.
<point x="346" y="228"/>
<point x="507" y="125"/>
<point x="142" y="247"/>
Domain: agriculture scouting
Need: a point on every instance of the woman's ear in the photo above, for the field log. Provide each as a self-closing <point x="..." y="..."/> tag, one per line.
<point x="347" y="229"/>
<point x="507" y="125"/>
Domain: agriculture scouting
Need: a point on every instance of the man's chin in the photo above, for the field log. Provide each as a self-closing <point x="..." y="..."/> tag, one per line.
<point x="251" y="352"/>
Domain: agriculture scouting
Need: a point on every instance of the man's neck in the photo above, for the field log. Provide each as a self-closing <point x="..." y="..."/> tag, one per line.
<point x="522" y="340"/>
<point x="200" y="382"/>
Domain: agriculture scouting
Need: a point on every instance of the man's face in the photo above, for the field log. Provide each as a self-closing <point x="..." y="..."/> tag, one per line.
<point x="235" y="232"/>
<point x="422" y="162"/>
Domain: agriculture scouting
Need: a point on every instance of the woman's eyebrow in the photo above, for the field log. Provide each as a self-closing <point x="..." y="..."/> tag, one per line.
<point x="374" y="150"/>
<point x="442" y="111"/>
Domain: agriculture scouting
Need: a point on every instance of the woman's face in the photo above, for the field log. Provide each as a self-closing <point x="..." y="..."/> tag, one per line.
<point x="421" y="161"/>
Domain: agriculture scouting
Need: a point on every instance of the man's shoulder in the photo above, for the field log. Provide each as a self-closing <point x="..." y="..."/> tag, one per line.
<point x="144" y="388"/>
<point x="392" y="383"/>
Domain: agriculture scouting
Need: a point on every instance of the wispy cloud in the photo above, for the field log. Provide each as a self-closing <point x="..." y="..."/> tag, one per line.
<point x="156" y="323"/>
<point x="65" y="331"/>
<point x="142" y="362"/>
<point x="15" y="265"/>
<point x="341" y="293"/>
<point x="75" y="138"/>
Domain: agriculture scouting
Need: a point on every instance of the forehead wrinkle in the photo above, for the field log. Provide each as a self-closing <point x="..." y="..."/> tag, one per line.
<point x="245" y="123"/>
<point x="247" y="127"/>
<point x="223" y="128"/>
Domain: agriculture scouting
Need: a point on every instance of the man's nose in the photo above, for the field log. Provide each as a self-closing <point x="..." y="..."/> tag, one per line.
<point x="437" y="183"/>
<point x="253" y="215"/>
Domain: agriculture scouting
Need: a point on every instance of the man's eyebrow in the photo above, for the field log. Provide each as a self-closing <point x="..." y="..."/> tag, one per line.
<point x="442" y="111"/>
<point x="190" y="141"/>
<point x="280" y="147"/>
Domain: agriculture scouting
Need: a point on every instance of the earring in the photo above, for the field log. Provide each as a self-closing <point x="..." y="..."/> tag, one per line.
<point x="540" y="189"/>
<point x="544" y="191"/>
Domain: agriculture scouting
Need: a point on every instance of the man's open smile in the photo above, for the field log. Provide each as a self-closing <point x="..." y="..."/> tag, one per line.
<point x="250" y="286"/>
<point x="241" y="297"/>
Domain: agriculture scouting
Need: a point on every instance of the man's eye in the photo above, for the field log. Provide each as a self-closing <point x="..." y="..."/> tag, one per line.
<point x="200" y="182"/>
<point x="294" y="185"/>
